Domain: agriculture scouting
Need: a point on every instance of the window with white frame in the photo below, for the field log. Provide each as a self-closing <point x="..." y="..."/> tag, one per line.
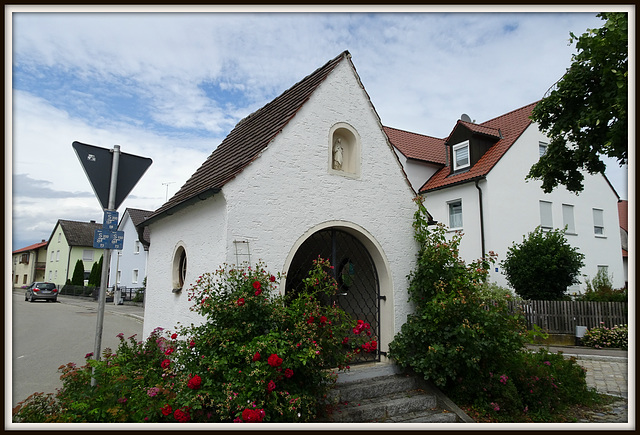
<point x="134" y="276"/>
<point x="57" y="255"/>
<point x="87" y="255"/>
<point x="567" y="218"/>
<point x="59" y="237"/>
<point x="455" y="214"/>
<point x="542" y="148"/>
<point x="461" y="155"/>
<point x="136" y="247"/>
<point x="546" y="215"/>
<point x="51" y="259"/>
<point x="598" y="222"/>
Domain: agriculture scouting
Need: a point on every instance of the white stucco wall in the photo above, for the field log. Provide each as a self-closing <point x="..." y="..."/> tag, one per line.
<point x="418" y="172"/>
<point x="127" y="260"/>
<point x="511" y="210"/>
<point x="201" y="230"/>
<point x="288" y="193"/>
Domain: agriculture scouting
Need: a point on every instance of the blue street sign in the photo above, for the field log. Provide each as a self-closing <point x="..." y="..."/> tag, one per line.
<point x="105" y="239"/>
<point x="110" y="221"/>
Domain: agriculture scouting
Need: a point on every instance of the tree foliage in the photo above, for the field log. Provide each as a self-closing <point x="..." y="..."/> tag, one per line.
<point x="96" y="273"/>
<point x="78" y="273"/>
<point x="585" y="115"/>
<point x="543" y="266"/>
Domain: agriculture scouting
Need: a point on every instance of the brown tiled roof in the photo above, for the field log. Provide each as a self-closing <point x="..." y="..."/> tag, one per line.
<point x="31" y="247"/>
<point x="508" y="127"/>
<point x="249" y="138"/>
<point x="623" y="214"/>
<point x="417" y="146"/>
<point x="477" y="128"/>
<point x="79" y="233"/>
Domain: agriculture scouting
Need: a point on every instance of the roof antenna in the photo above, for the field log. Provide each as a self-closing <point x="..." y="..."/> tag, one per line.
<point x="464" y="117"/>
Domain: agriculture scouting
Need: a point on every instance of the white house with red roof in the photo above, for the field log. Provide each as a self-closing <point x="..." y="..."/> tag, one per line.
<point x="310" y="174"/>
<point x="623" y="215"/>
<point x="478" y="186"/>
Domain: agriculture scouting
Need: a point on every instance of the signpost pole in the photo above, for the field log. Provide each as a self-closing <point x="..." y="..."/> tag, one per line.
<point x="106" y="260"/>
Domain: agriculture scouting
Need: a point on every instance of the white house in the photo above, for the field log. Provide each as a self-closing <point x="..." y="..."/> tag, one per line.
<point x="129" y="265"/>
<point x="476" y="184"/>
<point x="311" y="173"/>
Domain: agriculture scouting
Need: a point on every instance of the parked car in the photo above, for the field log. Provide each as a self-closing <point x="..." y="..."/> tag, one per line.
<point x="41" y="290"/>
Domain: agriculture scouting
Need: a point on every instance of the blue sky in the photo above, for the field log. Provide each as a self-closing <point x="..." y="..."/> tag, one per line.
<point x="170" y="86"/>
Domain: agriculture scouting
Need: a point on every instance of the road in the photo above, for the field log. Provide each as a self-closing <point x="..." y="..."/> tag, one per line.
<point x="46" y="335"/>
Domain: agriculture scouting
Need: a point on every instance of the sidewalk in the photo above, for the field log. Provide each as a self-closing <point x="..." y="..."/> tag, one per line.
<point x="127" y="309"/>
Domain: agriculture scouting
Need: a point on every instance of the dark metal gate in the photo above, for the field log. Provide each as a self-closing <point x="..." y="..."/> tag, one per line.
<point x="354" y="270"/>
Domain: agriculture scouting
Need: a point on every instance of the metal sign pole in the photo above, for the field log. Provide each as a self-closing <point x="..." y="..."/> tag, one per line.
<point x="106" y="261"/>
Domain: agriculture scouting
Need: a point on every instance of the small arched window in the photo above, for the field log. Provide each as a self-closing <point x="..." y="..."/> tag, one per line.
<point x="344" y="150"/>
<point x="179" y="269"/>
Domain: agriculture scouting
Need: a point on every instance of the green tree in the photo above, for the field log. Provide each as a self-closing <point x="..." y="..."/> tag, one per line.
<point x="96" y="274"/>
<point x="543" y="265"/>
<point x="78" y="273"/>
<point x="585" y="114"/>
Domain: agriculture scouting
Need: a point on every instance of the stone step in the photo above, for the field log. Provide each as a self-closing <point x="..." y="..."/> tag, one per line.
<point x="381" y="407"/>
<point x="373" y="387"/>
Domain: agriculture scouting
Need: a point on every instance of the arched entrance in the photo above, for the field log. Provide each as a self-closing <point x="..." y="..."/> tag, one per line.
<point x="354" y="270"/>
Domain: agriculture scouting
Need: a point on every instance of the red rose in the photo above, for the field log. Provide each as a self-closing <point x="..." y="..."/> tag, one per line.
<point x="240" y="302"/>
<point x="256" y="285"/>
<point x="195" y="382"/>
<point x="252" y="415"/>
<point x="256" y="357"/>
<point x="271" y="386"/>
<point x="345" y="340"/>
<point x="165" y="364"/>
<point x="310" y="320"/>
<point x="168" y="351"/>
<point x="272" y="278"/>
<point x="181" y="416"/>
<point x="323" y="320"/>
<point x="192" y="343"/>
<point x="166" y="410"/>
<point x="274" y="360"/>
<point x="174" y="336"/>
<point x="288" y="373"/>
<point x="257" y="293"/>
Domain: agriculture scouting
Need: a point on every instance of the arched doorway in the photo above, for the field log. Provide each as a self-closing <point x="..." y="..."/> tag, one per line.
<point x="354" y="270"/>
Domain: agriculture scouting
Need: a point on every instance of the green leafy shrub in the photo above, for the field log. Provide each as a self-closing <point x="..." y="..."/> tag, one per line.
<point x="257" y="356"/>
<point x="543" y="266"/>
<point x="600" y="289"/>
<point x="465" y="340"/>
<point x="78" y="273"/>
<point x="603" y="337"/>
<point x="461" y="335"/>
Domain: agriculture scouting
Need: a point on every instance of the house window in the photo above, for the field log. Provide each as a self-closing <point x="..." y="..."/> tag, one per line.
<point x="455" y="214"/>
<point x="603" y="269"/>
<point x="567" y="218"/>
<point x="16" y="279"/>
<point x="546" y="217"/>
<point x="57" y="255"/>
<point x="52" y="256"/>
<point x="24" y="279"/>
<point x="542" y="147"/>
<point x="50" y="275"/>
<point x="87" y="255"/>
<point x="136" y="247"/>
<point x="55" y="275"/>
<point x="134" y="277"/>
<point x="179" y="269"/>
<point x="59" y="236"/>
<point x="24" y="258"/>
<point x="461" y="155"/>
<point x="598" y="222"/>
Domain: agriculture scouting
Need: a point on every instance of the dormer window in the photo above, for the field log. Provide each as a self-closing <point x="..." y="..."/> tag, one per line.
<point x="461" y="155"/>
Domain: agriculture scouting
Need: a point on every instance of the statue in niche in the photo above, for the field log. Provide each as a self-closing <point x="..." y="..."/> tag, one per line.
<point x="338" y="151"/>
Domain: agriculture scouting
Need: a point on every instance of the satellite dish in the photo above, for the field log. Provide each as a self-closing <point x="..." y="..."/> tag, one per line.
<point x="464" y="117"/>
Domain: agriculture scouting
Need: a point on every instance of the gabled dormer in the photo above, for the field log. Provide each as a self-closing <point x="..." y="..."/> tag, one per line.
<point x="467" y="143"/>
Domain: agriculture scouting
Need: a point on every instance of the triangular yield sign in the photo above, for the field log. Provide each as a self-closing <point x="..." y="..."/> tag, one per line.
<point x="97" y="162"/>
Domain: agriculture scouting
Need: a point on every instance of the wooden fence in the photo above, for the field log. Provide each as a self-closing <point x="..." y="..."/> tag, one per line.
<point x="562" y="317"/>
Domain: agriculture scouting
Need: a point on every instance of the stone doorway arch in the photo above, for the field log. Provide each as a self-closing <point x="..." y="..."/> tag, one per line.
<point x="355" y="270"/>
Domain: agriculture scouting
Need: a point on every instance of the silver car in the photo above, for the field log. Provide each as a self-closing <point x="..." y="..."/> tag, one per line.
<point x="41" y="290"/>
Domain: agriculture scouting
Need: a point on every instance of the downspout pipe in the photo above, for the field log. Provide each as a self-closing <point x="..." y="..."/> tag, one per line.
<point x="481" y="215"/>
